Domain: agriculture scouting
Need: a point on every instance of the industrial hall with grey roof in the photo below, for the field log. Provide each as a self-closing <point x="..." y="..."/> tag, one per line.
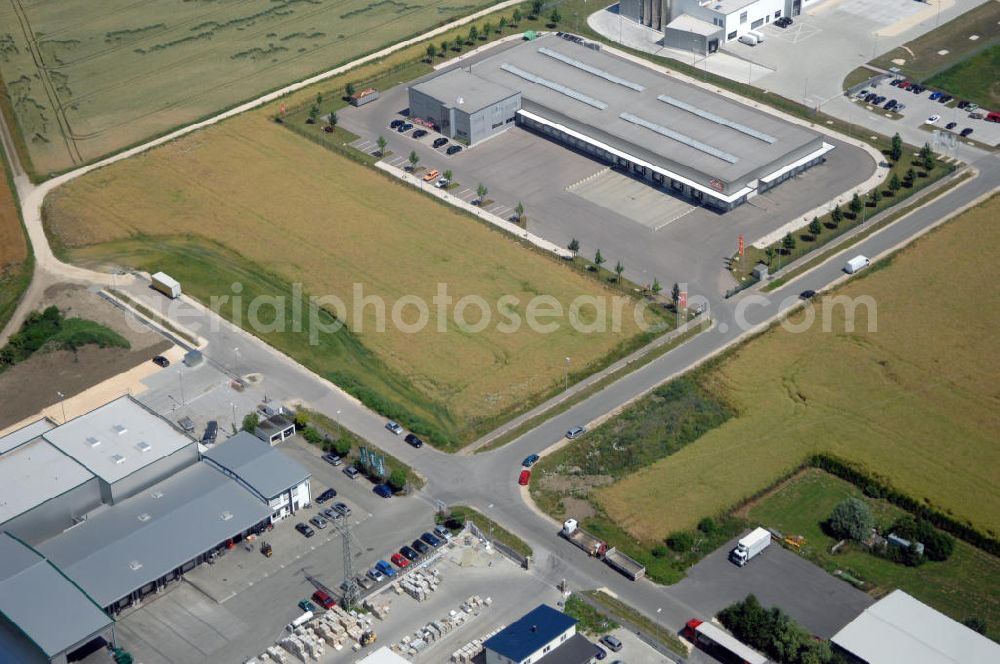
<point x="107" y="509"/>
<point x="676" y="136"/>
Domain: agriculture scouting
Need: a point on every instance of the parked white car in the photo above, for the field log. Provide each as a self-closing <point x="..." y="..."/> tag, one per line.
<point x="932" y="120"/>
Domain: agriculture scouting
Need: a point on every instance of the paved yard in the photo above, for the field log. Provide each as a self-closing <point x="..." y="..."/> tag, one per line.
<point x="820" y="602"/>
<point x="569" y="195"/>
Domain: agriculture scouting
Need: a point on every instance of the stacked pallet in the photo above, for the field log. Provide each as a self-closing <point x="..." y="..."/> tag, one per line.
<point x="429" y="634"/>
<point x="420" y="584"/>
<point x="473" y="649"/>
<point x="378" y="607"/>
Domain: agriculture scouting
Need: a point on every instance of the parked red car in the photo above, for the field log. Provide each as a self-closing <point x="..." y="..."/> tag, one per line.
<point x="399" y="561"/>
<point x="525" y="477"/>
<point x="324" y="600"/>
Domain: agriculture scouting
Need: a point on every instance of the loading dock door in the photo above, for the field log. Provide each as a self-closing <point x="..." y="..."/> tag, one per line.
<point x="713" y="45"/>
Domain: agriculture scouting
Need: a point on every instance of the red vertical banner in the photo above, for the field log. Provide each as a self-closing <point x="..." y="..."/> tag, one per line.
<point x="682" y="300"/>
<point x="284" y="109"/>
<point x="741" y="245"/>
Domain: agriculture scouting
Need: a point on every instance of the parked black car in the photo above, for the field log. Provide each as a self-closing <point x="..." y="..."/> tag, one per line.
<point x="405" y="127"/>
<point x="161" y="361"/>
<point x="409" y="553"/>
<point x="951" y="125"/>
<point x="966" y="131"/>
<point x="420" y="546"/>
<point x="944" y="99"/>
<point x="211" y="431"/>
<point x="454" y="149"/>
<point x="304" y="529"/>
<point x="438" y="142"/>
<point x="395" y="124"/>
<point x="420" y="133"/>
<point x="430" y="539"/>
<point x="413" y="440"/>
<point x="329" y="494"/>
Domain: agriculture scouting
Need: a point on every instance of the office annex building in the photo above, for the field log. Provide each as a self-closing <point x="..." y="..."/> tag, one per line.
<point x="676" y="136"/>
<point x="100" y="512"/>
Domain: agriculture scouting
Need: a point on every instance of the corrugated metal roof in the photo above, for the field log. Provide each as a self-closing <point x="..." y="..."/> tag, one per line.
<point x="899" y="628"/>
<point x="266" y="469"/>
<point x="538" y="627"/>
<point x="106" y="440"/>
<point x="52" y="612"/>
<point x="140" y="539"/>
<point x="33" y="473"/>
<point x="459" y="89"/>
<point x="575" y="650"/>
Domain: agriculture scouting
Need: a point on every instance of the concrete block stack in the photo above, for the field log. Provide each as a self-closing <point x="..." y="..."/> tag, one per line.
<point x="378" y="606"/>
<point x="276" y="654"/>
<point x="420" y="583"/>
<point x="471" y="650"/>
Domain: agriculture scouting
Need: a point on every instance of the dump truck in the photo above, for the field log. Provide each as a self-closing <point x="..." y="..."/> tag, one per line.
<point x="598" y="548"/>
<point x="167" y="285"/>
<point x="749" y="546"/>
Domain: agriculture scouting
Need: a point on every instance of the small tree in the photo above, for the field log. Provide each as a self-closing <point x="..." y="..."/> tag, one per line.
<point x="896" y="151"/>
<point x="929" y="162"/>
<point x="447" y="175"/>
<point x="381" y="142"/>
<point x="414" y="159"/>
<point x="657" y="287"/>
<point x="536" y="8"/>
<point x="331" y="120"/>
<point x="675" y="295"/>
<point x="473" y="34"/>
<point x="519" y="210"/>
<point x="708" y="525"/>
<point x="876" y="196"/>
<point x="788" y="243"/>
<point x="516" y="16"/>
<point x="681" y="541"/>
<point x="815" y="228"/>
<point x="301" y="420"/>
<point x="619" y="268"/>
<point x="250" y="422"/>
<point x="894" y="183"/>
<point x="851" y="519"/>
<point x="598" y="259"/>
<point x="487" y="29"/>
<point x="431" y="51"/>
<point x="836" y="215"/>
<point x="502" y="25"/>
<point x="349" y="89"/>
<point x="856" y="204"/>
<point x="342" y="446"/>
<point x="313" y="114"/>
<point x="555" y="16"/>
<point x="574" y="246"/>
<point x="771" y="251"/>
<point x="444" y="48"/>
<point x="910" y="175"/>
<point x="481" y="192"/>
<point x="455" y="521"/>
<point x="397" y="479"/>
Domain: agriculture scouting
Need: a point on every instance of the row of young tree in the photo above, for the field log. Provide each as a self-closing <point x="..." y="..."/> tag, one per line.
<point x="484" y="31"/>
<point x="655" y="288"/>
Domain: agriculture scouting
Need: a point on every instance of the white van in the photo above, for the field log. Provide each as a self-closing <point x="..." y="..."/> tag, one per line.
<point x="856" y="263"/>
<point x="758" y="35"/>
<point x="749" y="39"/>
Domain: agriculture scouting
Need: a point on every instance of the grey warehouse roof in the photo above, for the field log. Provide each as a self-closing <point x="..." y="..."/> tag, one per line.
<point x="24" y="434"/>
<point x="33" y="473"/>
<point x="46" y="606"/>
<point x="898" y="628"/>
<point x="575" y="650"/>
<point x="117" y="439"/>
<point x="642" y="112"/>
<point x="146" y="536"/>
<point x="460" y="89"/>
<point x="696" y="25"/>
<point x="262" y="467"/>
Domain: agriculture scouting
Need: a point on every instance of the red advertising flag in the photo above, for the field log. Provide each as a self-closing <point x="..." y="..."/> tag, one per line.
<point x="741" y="244"/>
<point x="682" y="300"/>
<point x="284" y="109"/>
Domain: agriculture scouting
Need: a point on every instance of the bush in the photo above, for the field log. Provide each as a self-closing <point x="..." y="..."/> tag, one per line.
<point x="680" y="541"/>
<point x="938" y="546"/>
<point x="455" y="521"/>
<point x="397" y="479"/>
<point x="851" y="519"/>
<point x="301" y="420"/>
<point x="708" y="525"/>
<point x="659" y="551"/>
<point x="342" y="447"/>
<point x="250" y="422"/>
<point x="975" y="624"/>
<point x="312" y="436"/>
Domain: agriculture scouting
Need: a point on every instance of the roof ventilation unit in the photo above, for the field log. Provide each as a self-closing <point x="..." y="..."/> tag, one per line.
<point x="119" y="429"/>
<point x="143" y="446"/>
<point x="226" y="516"/>
<point x="93" y="442"/>
<point x="118" y="459"/>
<point x="135" y="565"/>
<point x="144" y="517"/>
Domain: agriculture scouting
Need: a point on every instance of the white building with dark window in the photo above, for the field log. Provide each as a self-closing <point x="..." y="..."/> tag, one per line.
<point x="542" y="636"/>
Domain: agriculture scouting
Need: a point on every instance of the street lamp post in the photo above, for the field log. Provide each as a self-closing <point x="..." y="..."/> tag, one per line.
<point x="338" y="424"/>
<point x="180" y="378"/>
<point x="62" y="404"/>
<point x="566" y="375"/>
<point x="234" y="413"/>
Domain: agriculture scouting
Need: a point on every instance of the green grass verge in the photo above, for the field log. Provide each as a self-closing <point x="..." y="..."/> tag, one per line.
<point x="337" y="432"/>
<point x="858" y="76"/>
<point x="591" y="390"/>
<point x="637" y="621"/>
<point x="49" y="330"/>
<point x="974" y="79"/>
<point x="862" y="235"/>
<point x="588" y="619"/>
<point x="488" y="526"/>
<point x="14" y="278"/>
<point x="964" y="586"/>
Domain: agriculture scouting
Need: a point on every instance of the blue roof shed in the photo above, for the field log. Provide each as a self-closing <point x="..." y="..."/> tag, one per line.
<point x="529" y="634"/>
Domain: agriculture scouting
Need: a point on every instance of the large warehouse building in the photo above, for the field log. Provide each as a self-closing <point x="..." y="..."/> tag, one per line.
<point x="676" y="136"/>
<point x="107" y="509"/>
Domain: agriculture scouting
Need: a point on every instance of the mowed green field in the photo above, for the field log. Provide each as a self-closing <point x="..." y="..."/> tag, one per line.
<point x="86" y="81"/>
<point x="916" y="402"/>
<point x="248" y="201"/>
<point x="965" y="585"/>
<point x="976" y="79"/>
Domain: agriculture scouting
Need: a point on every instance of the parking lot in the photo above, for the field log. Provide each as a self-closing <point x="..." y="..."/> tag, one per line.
<point x="568" y="195"/>
<point x="819" y="601"/>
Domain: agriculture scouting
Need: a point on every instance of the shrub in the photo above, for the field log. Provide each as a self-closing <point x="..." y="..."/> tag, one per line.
<point x="659" y="551"/>
<point x="301" y="420"/>
<point x="342" y="446"/>
<point x="397" y="479"/>
<point x="312" y="436"/>
<point x="707" y="525"/>
<point x="680" y="541"/>
<point x="851" y="519"/>
<point x="976" y="624"/>
<point x="455" y="521"/>
<point x="250" y="422"/>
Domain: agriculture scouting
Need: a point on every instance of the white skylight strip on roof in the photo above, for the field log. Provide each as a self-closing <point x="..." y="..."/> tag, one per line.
<point x="718" y="119"/>
<point x="680" y="138"/>
<point x="556" y="87"/>
<point x="591" y="70"/>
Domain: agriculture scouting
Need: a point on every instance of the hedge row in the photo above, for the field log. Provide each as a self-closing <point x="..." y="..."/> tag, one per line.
<point x="878" y="487"/>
